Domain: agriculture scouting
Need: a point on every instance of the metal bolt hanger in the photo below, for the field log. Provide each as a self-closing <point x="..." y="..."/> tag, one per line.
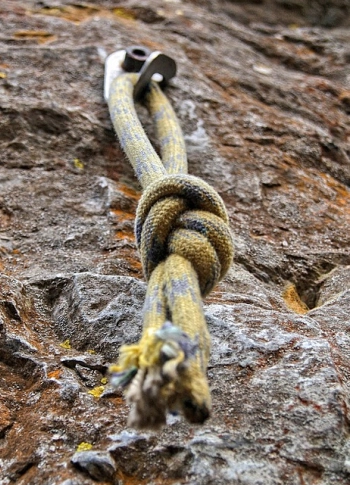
<point x="151" y="65"/>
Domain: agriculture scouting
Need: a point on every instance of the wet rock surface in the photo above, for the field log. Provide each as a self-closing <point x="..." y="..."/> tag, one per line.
<point x="263" y="95"/>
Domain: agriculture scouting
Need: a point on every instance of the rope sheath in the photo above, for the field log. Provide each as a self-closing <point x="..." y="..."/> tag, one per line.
<point x="186" y="248"/>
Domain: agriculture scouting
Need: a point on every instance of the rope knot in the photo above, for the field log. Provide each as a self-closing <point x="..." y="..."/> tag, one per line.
<point x="181" y="214"/>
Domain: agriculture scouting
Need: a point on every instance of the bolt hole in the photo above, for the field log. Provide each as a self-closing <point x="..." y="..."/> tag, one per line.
<point x="139" y="53"/>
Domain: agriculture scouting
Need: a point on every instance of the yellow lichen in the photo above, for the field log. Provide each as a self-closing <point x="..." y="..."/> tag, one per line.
<point x="293" y="301"/>
<point x="84" y="446"/>
<point x="3" y="75"/>
<point x="97" y="391"/>
<point x="124" y="13"/>
<point x="78" y="164"/>
<point x="104" y="380"/>
<point x="66" y="344"/>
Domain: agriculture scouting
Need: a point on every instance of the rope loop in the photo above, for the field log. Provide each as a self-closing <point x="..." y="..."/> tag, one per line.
<point x="181" y="214"/>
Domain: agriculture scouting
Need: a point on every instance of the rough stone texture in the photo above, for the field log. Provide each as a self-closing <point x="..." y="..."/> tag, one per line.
<point x="263" y="95"/>
<point x="99" y="465"/>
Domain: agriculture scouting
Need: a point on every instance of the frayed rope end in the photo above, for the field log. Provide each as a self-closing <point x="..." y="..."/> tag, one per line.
<point x="163" y="374"/>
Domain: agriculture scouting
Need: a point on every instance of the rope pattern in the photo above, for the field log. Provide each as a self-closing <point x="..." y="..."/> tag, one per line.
<point x="186" y="248"/>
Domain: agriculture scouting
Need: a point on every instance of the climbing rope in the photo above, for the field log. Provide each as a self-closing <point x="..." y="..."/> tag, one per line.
<point x="186" y="248"/>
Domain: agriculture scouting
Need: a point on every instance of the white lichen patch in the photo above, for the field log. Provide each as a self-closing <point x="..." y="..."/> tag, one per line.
<point x="198" y="138"/>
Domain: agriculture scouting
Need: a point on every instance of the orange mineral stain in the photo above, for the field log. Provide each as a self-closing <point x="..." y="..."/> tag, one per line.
<point x="293" y="301"/>
<point x="125" y="235"/>
<point x="55" y="374"/>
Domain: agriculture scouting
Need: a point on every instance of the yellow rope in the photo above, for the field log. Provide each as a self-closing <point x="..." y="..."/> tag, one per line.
<point x="186" y="248"/>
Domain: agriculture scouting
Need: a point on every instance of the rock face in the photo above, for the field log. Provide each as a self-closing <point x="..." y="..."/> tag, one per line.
<point x="263" y="95"/>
